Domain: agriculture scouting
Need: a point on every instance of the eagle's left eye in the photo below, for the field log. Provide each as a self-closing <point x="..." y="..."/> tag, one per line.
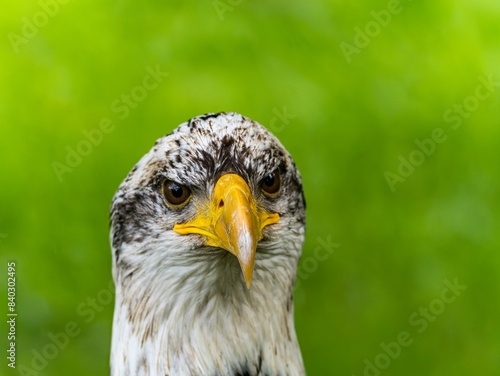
<point x="271" y="184"/>
<point x="174" y="194"/>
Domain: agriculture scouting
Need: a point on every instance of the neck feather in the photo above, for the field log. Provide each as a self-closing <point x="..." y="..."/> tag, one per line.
<point x="191" y="313"/>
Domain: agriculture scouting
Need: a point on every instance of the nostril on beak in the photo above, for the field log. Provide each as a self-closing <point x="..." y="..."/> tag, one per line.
<point x="221" y="203"/>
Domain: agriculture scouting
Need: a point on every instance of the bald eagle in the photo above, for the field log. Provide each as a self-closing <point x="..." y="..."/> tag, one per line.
<point x="206" y="233"/>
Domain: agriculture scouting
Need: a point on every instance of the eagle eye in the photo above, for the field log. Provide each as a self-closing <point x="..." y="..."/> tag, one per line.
<point x="271" y="184"/>
<point x="175" y="195"/>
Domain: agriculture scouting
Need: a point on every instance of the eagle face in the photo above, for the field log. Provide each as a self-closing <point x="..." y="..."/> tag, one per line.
<point x="206" y="232"/>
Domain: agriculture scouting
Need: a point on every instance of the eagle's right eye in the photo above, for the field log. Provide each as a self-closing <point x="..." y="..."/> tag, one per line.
<point x="174" y="194"/>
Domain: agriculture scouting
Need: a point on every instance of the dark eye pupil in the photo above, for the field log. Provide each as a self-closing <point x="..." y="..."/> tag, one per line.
<point x="176" y="191"/>
<point x="269" y="180"/>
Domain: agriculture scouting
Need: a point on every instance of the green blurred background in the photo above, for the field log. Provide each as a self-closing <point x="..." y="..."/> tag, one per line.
<point x="350" y="88"/>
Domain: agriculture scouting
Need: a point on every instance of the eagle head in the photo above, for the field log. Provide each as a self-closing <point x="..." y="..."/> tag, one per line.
<point x="206" y="232"/>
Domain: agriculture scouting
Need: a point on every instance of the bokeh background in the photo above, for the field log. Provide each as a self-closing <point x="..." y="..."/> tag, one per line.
<point x="350" y="87"/>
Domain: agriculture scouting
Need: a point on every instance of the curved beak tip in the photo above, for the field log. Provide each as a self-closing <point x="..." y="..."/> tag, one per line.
<point x="247" y="274"/>
<point x="246" y="262"/>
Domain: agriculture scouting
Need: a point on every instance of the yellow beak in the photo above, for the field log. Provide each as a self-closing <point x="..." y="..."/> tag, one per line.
<point x="232" y="221"/>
